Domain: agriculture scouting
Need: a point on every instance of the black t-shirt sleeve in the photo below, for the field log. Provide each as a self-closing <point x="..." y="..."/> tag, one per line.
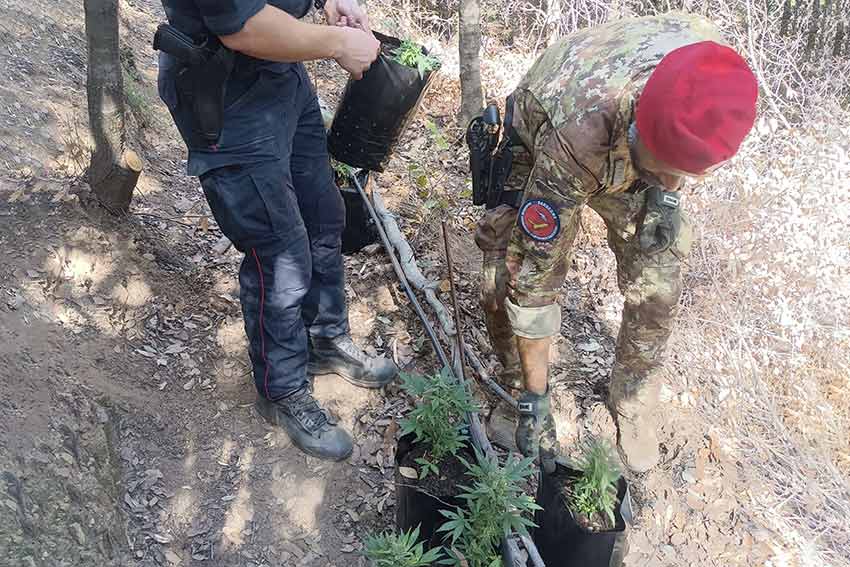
<point x="225" y="17"/>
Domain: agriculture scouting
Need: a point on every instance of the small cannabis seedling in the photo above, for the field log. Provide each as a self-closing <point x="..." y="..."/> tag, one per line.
<point x="342" y="170"/>
<point x="496" y="503"/>
<point x="595" y="491"/>
<point x="440" y="419"/>
<point x="400" y="550"/>
<point x="411" y="55"/>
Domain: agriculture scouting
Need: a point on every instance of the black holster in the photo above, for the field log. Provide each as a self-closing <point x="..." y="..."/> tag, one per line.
<point x="490" y="160"/>
<point x="481" y="141"/>
<point x="202" y="80"/>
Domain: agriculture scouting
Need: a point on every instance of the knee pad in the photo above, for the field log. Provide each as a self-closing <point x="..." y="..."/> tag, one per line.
<point x="534" y="322"/>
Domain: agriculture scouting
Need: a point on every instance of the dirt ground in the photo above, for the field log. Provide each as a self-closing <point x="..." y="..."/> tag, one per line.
<point x="127" y="435"/>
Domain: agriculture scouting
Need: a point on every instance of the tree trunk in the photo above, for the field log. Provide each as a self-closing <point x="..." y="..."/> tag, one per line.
<point x="469" y="46"/>
<point x="553" y="17"/>
<point x="826" y="24"/>
<point x="114" y="170"/>
<point x="795" y="22"/>
<point x="786" y="19"/>
<point x="813" y="30"/>
<point x="847" y="41"/>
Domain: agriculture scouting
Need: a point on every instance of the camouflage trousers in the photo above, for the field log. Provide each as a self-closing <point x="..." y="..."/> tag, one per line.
<point x="530" y="273"/>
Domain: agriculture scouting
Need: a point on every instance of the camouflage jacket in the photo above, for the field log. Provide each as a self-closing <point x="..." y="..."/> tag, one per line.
<point x="583" y="89"/>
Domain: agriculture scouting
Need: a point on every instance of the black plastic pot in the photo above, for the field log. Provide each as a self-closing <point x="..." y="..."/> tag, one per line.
<point x="360" y="229"/>
<point x="415" y="507"/>
<point x="374" y="111"/>
<point x="562" y="541"/>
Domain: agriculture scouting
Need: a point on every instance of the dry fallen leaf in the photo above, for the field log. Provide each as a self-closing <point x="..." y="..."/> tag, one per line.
<point x="389" y="433"/>
<point x="408" y="472"/>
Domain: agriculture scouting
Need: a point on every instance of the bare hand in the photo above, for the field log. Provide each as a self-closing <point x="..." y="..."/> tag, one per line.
<point x="359" y="50"/>
<point x="346" y="13"/>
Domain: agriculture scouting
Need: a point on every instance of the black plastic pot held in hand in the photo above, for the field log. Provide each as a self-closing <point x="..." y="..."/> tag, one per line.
<point x="563" y="542"/>
<point x="375" y="110"/>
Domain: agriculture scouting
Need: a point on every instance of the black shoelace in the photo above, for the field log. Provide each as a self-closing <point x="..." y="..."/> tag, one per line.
<point x="347" y="346"/>
<point x="306" y="410"/>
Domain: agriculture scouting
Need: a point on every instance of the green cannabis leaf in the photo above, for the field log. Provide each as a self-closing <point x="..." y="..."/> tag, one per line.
<point x="411" y="55"/>
<point x="400" y="550"/>
<point x="496" y="503"/>
<point x="595" y="491"/>
<point x="440" y="419"/>
<point x="343" y="170"/>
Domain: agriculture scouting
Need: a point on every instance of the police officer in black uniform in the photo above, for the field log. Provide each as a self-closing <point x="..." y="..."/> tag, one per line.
<point x="268" y="181"/>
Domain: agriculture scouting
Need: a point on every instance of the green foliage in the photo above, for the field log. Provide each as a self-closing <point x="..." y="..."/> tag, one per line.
<point x="595" y="492"/>
<point x="411" y="55"/>
<point x="419" y="176"/>
<point x="496" y="504"/>
<point x="400" y="550"/>
<point x="136" y="94"/>
<point x="137" y="100"/>
<point x="439" y="419"/>
<point x="437" y="135"/>
<point x="342" y="170"/>
<point x="437" y="202"/>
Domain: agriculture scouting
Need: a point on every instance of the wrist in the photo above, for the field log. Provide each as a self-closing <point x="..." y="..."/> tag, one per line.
<point x="335" y="42"/>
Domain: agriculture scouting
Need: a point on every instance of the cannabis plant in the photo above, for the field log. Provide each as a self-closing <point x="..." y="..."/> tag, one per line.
<point x="496" y="504"/>
<point x="343" y="170"/>
<point x="595" y="491"/>
<point x="411" y="55"/>
<point x="440" y="419"/>
<point x="400" y="550"/>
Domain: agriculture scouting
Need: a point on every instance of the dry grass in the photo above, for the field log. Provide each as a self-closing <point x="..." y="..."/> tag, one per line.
<point x="767" y="323"/>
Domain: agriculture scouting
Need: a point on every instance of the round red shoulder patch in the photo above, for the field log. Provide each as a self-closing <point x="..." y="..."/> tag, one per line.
<point x="539" y="220"/>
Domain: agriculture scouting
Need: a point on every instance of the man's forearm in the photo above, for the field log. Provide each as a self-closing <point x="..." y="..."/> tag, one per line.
<point x="534" y="357"/>
<point x="274" y="35"/>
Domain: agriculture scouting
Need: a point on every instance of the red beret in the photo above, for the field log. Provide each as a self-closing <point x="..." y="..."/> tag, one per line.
<point x="697" y="106"/>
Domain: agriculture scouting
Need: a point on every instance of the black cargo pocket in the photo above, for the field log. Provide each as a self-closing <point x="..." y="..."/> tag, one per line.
<point x="274" y="188"/>
<point x="253" y="205"/>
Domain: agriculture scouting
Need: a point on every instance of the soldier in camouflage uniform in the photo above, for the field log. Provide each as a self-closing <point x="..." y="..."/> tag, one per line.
<point x="613" y="117"/>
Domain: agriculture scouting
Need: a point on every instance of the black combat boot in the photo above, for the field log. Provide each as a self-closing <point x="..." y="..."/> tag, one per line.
<point x="311" y="428"/>
<point x="341" y="356"/>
